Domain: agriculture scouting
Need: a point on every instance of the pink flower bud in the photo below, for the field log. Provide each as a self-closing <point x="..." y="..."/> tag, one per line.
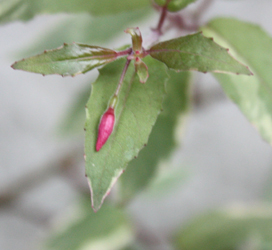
<point x="105" y="128"/>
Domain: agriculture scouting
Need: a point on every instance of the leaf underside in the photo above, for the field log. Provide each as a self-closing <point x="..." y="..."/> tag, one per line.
<point x="252" y="94"/>
<point x="136" y="112"/>
<point x="199" y="53"/>
<point x="68" y="60"/>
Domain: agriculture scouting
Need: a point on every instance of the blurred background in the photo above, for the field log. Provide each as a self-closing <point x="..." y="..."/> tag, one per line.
<point x="221" y="160"/>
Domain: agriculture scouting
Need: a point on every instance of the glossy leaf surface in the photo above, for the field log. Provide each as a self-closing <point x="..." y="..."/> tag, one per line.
<point x="253" y="45"/>
<point x="136" y="112"/>
<point x="196" y="52"/>
<point x="68" y="60"/>
<point x="162" y="138"/>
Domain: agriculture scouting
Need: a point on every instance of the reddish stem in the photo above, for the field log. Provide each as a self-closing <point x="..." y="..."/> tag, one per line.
<point x="124" y="52"/>
<point x="122" y="77"/>
<point x="162" y="18"/>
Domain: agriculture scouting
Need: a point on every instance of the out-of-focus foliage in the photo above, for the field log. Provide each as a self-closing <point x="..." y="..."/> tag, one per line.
<point x="238" y="227"/>
<point x="253" y="46"/>
<point x="11" y="10"/>
<point x="84" y="28"/>
<point x="175" y="5"/>
<point x="109" y="229"/>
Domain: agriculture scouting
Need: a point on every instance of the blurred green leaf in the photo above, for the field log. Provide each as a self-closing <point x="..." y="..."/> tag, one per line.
<point x="85" y="29"/>
<point x="175" y="5"/>
<point x="11" y="10"/>
<point x="68" y="60"/>
<point x="108" y="229"/>
<point x="228" y="229"/>
<point x="162" y="138"/>
<point x="253" y="46"/>
<point x="196" y="52"/>
<point x="137" y="110"/>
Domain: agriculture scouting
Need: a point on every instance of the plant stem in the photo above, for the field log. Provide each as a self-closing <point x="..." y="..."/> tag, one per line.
<point x="122" y="77"/>
<point x="124" y="52"/>
<point x="162" y="18"/>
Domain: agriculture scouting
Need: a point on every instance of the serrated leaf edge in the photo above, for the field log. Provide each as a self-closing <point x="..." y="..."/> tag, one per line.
<point x="194" y="69"/>
<point x="114" y="179"/>
<point x="74" y="59"/>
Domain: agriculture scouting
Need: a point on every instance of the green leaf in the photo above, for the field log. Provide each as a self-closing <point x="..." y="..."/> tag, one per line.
<point x="11" y="10"/>
<point x="109" y="229"/>
<point x="196" y="52"/>
<point x="136" y="112"/>
<point x="105" y="7"/>
<point x="252" y="45"/>
<point x="228" y="229"/>
<point x="162" y="138"/>
<point x="68" y="60"/>
<point x="175" y="5"/>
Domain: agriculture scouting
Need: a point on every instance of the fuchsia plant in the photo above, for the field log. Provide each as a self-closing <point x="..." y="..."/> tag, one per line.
<point x="141" y="95"/>
<point x="114" y="137"/>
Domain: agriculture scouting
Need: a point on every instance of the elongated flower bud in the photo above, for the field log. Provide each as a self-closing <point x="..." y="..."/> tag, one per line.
<point x="105" y="128"/>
